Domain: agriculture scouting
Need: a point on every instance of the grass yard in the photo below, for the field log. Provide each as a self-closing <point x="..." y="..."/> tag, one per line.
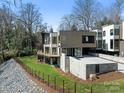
<point x="108" y="87"/>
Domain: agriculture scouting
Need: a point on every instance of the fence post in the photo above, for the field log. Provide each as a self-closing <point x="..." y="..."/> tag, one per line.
<point x="38" y="75"/>
<point x="32" y="72"/>
<point x="43" y="77"/>
<point x="48" y="80"/>
<point x="68" y="90"/>
<point x="35" y="73"/>
<point x="63" y="86"/>
<point x="91" y="88"/>
<point x="55" y="83"/>
<point x="75" y="87"/>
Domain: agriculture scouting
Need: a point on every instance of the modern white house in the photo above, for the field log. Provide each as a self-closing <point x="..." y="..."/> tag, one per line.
<point x="69" y="50"/>
<point x="111" y="37"/>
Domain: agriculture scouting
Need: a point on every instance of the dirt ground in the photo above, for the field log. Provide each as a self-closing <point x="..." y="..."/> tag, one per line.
<point x="110" y="76"/>
<point x="101" y="78"/>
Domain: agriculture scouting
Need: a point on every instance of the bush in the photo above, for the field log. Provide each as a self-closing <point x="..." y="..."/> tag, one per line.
<point x="26" y="52"/>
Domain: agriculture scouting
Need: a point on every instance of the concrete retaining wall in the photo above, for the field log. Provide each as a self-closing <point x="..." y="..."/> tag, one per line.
<point x="90" y="68"/>
<point x="62" y="62"/>
<point x="77" y="68"/>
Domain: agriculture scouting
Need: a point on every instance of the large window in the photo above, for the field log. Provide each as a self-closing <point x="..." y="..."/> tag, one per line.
<point x="46" y="50"/>
<point x="88" y="39"/>
<point x="47" y="40"/>
<point x="54" y="51"/>
<point x="54" y="40"/>
<point x="111" y="44"/>
<point x="104" y="45"/>
<point x="116" y="44"/>
<point x="100" y="34"/>
<point x="104" y="33"/>
<point x="99" y="44"/>
<point x="117" y="31"/>
<point x="111" y="32"/>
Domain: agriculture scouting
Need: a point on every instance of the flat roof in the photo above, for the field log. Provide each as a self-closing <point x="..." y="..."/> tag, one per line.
<point x="94" y="60"/>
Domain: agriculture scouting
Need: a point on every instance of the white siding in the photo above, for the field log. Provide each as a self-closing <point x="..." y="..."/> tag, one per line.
<point x="108" y="37"/>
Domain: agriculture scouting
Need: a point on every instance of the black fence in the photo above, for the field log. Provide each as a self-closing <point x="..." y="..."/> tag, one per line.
<point x="64" y="86"/>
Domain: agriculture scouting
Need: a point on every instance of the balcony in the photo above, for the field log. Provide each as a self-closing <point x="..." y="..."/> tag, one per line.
<point x="48" y="54"/>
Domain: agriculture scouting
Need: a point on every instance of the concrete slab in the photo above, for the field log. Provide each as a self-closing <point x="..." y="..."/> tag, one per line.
<point x="95" y="60"/>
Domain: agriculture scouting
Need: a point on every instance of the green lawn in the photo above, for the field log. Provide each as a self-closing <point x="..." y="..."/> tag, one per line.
<point x="31" y="62"/>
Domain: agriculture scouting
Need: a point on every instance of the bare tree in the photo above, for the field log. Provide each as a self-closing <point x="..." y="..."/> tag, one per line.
<point x="68" y="23"/>
<point x="115" y="11"/>
<point x="86" y="11"/>
<point x="31" y="18"/>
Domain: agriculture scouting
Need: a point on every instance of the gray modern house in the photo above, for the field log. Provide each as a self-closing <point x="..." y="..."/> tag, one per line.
<point x="69" y="50"/>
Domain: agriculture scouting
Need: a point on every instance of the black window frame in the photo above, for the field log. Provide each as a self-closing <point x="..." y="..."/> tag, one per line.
<point x="111" y="44"/>
<point x="54" y="40"/>
<point x="104" y="44"/>
<point x="116" y="31"/>
<point x="111" y="32"/>
<point x="104" y="33"/>
<point x="91" y="39"/>
<point x="116" y="43"/>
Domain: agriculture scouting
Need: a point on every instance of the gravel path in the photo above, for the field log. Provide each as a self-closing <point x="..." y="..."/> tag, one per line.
<point x="13" y="79"/>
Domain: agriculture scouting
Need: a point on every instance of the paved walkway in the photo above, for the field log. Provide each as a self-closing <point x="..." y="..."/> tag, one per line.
<point x="13" y="79"/>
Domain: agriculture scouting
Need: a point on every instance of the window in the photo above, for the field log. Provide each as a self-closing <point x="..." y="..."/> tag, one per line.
<point x="104" y="46"/>
<point x="97" y="68"/>
<point x="64" y="50"/>
<point x="99" y="34"/>
<point x="99" y="44"/>
<point x="88" y="39"/>
<point x="104" y="33"/>
<point x="111" y="44"/>
<point x="46" y="50"/>
<point x="54" y="51"/>
<point x="54" y="40"/>
<point x="111" y="32"/>
<point x="47" y="40"/>
<point x="116" y="44"/>
<point x="116" y="31"/>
